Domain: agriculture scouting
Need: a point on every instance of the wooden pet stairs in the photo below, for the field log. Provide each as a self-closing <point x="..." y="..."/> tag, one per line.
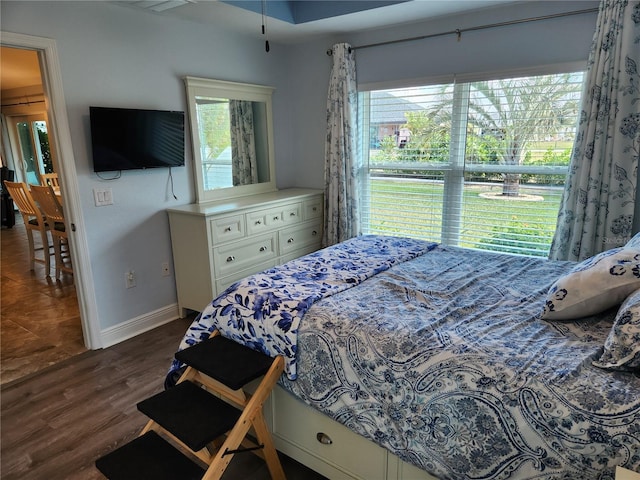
<point x="198" y="426"/>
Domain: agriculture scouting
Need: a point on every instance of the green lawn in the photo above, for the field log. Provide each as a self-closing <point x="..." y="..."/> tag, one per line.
<point x="415" y="208"/>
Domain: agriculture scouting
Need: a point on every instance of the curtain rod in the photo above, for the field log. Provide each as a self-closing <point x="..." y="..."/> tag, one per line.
<point x="460" y="31"/>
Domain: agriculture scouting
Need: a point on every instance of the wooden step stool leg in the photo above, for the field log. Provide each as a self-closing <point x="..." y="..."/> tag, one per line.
<point x="270" y="453"/>
<point x="251" y="415"/>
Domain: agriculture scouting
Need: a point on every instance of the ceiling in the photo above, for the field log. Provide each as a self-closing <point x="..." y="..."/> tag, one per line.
<point x="19" y="68"/>
<point x="289" y="21"/>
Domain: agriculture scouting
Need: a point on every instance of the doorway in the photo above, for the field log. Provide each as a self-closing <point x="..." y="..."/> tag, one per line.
<point x="47" y="128"/>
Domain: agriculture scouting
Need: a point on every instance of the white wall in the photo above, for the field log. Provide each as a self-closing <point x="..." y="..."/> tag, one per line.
<point x="116" y="56"/>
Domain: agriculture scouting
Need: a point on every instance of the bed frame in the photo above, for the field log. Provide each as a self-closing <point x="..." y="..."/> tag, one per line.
<point x="329" y="448"/>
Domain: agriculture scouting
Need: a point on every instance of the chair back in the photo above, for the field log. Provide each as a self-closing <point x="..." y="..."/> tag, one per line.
<point x="24" y="201"/>
<point x="50" y="179"/>
<point x="48" y="202"/>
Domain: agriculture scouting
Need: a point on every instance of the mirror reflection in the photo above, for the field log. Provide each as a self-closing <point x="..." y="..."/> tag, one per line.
<point x="233" y="142"/>
<point x="232" y="138"/>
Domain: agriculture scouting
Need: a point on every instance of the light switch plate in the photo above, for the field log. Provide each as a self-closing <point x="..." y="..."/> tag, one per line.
<point x="102" y="196"/>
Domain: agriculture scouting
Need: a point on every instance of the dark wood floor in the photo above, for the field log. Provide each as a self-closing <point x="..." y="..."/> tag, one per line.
<point x="61" y="406"/>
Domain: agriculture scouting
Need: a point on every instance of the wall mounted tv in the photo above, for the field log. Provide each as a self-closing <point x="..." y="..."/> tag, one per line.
<point x="128" y="139"/>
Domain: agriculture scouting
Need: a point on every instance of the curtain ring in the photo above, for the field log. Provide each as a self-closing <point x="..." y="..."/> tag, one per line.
<point x="330" y="50"/>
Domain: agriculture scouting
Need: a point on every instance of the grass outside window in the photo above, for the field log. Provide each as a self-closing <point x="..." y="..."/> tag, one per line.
<point x="500" y="224"/>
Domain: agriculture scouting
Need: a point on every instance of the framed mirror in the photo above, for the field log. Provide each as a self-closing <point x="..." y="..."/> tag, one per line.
<point x="232" y="138"/>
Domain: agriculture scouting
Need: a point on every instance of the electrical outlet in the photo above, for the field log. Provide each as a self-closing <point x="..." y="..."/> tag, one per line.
<point x="165" y="269"/>
<point x="130" y="279"/>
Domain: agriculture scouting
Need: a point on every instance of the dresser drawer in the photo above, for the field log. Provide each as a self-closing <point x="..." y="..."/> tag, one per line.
<point x="292" y="214"/>
<point x="225" y="229"/>
<point x="313" y="208"/>
<point x="346" y="449"/>
<point x="217" y="243"/>
<point x="263" y="221"/>
<point x="300" y="236"/>
<point x="229" y="259"/>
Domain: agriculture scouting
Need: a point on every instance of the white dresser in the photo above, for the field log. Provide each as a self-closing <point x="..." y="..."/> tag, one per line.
<point x="215" y="244"/>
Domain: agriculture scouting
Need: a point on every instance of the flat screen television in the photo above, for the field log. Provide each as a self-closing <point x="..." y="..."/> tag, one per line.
<point x="128" y="139"/>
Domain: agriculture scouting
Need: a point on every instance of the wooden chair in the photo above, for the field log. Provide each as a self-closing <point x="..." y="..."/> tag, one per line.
<point x="50" y="179"/>
<point x="47" y="200"/>
<point x="34" y="221"/>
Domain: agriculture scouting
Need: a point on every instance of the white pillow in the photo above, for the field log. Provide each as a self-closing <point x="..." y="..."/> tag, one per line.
<point x="594" y="285"/>
<point x="622" y="346"/>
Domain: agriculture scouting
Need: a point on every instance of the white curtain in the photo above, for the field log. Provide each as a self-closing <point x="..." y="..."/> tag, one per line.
<point x="243" y="146"/>
<point x="341" y="170"/>
<point x="5" y="145"/>
<point x="598" y="204"/>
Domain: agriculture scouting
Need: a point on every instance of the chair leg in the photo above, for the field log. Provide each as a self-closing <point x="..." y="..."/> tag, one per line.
<point x="57" y="249"/>
<point x="32" y="250"/>
<point x="46" y="252"/>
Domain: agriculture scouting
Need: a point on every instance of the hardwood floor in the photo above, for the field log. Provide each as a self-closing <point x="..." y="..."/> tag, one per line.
<point x="39" y="317"/>
<point x="57" y="422"/>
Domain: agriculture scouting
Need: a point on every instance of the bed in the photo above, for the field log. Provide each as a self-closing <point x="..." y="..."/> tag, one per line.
<point x="453" y="363"/>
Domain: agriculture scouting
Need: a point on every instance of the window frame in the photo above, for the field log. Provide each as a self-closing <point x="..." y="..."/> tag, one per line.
<point x="454" y="173"/>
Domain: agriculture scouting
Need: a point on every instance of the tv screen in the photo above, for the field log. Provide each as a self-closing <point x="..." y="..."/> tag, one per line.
<point x="127" y="139"/>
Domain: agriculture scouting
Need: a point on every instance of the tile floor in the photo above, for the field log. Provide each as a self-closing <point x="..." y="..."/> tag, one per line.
<point x="39" y="316"/>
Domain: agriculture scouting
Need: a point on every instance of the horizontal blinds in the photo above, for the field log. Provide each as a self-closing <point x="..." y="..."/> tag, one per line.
<point x="406" y="173"/>
<point x="480" y="165"/>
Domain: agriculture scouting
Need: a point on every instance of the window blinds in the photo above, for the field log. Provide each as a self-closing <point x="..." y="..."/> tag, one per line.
<point x="478" y="165"/>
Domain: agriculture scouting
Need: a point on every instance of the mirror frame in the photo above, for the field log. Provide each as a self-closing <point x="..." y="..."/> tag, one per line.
<point x="207" y="87"/>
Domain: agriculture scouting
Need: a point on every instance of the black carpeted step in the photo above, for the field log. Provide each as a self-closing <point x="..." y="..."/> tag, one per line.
<point x="227" y="361"/>
<point x="148" y="457"/>
<point x="190" y="413"/>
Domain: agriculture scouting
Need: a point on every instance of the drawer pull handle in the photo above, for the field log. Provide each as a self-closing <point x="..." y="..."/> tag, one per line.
<point x="290" y="240"/>
<point x="231" y="258"/>
<point x="315" y="209"/>
<point x="292" y="214"/>
<point x="228" y="229"/>
<point x="258" y="222"/>
<point x="324" y="438"/>
<point x="263" y="249"/>
<point x="276" y="218"/>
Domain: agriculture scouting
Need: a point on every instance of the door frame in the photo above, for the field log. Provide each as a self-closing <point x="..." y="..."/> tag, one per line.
<point x="59" y="125"/>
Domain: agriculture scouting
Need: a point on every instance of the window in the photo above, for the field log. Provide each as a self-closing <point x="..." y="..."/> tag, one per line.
<point x="479" y="165"/>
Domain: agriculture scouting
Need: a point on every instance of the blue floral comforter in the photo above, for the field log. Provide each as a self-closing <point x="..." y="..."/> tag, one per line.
<point x="443" y="360"/>
<point x="263" y="311"/>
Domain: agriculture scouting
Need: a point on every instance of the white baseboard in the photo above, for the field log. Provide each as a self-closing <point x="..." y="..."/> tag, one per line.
<point x="143" y="323"/>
